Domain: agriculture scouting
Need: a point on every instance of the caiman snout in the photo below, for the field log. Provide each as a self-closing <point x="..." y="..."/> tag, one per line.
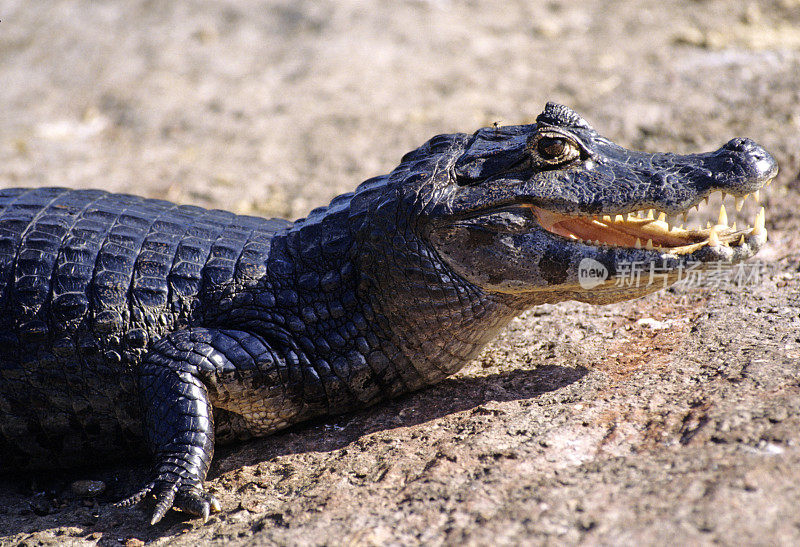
<point x="759" y="163"/>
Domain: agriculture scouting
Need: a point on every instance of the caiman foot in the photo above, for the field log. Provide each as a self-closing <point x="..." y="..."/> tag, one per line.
<point x="175" y="492"/>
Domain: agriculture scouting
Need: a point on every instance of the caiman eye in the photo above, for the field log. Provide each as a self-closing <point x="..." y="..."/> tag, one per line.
<point x="551" y="147"/>
<point x="554" y="149"/>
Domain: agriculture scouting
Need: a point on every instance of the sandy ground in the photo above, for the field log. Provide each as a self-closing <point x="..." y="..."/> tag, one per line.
<point x="672" y="419"/>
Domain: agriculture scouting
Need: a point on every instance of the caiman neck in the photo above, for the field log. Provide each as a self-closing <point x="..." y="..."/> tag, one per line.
<point x="369" y="285"/>
<point x="436" y="321"/>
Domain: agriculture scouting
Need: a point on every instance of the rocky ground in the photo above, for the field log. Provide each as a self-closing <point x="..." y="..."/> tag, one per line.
<point x="671" y="419"/>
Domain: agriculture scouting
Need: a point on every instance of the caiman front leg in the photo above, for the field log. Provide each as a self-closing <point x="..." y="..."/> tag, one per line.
<point x="181" y="376"/>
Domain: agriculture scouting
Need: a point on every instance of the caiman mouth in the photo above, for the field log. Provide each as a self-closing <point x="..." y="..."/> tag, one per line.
<point x="651" y="229"/>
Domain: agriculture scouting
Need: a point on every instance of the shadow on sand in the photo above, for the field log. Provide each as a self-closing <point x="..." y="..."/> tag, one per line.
<point x="44" y="501"/>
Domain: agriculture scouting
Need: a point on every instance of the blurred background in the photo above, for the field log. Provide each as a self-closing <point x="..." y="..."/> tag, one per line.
<point x="273" y="107"/>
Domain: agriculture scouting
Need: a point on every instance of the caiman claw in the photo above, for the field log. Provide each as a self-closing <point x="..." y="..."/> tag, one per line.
<point x="185" y="497"/>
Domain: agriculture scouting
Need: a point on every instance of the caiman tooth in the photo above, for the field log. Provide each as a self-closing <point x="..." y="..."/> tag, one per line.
<point x="713" y="239"/>
<point x="741" y="239"/>
<point x="619" y="218"/>
<point x="649" y="245"/>
<point x="723" y="216"/>
<point x="759" y="226"/>
<point x="757" y="196"/>
<point x="638" y="244"/>
<point x="662" y="216"/>
<point x="733" y="227"/>
<point x="739" y="204"/>
<point x="650" y="214"/>
<point x="685" y="217"/>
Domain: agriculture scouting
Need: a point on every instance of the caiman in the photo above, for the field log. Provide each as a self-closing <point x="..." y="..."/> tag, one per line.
<point x="130" y="325"/>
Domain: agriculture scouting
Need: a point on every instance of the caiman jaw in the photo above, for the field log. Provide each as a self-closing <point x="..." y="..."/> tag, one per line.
<point x="649" y="229"/>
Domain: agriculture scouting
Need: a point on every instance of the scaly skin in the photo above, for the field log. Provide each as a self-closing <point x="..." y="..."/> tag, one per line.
<point x="123" y="319"/>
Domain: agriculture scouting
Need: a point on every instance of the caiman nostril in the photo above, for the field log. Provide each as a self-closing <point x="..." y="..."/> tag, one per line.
<point x="741" y="145"/>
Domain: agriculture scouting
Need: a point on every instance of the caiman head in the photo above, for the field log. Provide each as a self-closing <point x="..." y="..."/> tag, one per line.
<point x="554" y="211"/>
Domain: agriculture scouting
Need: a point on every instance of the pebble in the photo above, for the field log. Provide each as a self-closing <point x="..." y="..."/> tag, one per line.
<point x="88" y="489"/>
<point x="40" y="506"/>
<point x="653" y="324"/>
